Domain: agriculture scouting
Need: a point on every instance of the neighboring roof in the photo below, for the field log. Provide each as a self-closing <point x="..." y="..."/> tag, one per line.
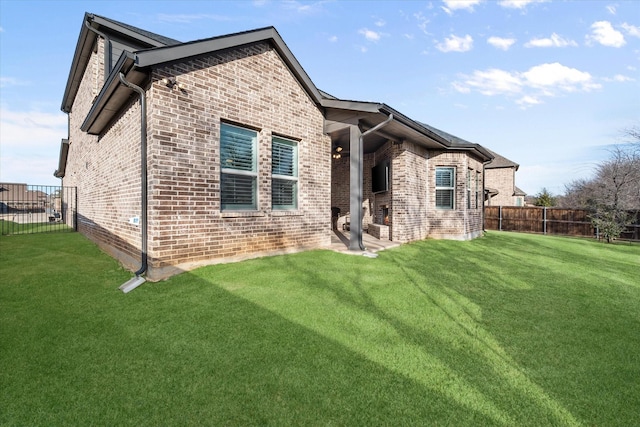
<point x="500" y="162"/>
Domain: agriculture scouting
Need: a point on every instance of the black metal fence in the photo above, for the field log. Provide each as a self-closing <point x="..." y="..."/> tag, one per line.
<point x="28" y="209"/>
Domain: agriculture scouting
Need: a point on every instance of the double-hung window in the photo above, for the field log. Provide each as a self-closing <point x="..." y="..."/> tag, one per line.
<point x="284" y="174"/>
<point x="239" y="168"/>
<point x="445" y="188"/>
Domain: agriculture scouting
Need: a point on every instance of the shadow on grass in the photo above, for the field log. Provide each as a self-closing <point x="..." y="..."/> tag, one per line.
<point x="426" y="334"/>
<point x="75" y="351"/>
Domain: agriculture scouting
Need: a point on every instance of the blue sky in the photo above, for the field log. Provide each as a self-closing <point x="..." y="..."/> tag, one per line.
<point x="547" y="84"/>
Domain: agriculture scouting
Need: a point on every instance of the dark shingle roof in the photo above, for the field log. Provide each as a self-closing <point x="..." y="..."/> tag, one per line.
<point x="500" y="162"/>
<point x="454" y="140"/>
<point x="153" y="36"/>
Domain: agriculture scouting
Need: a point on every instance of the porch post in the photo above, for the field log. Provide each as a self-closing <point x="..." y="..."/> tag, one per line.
<point x="355" y="189"/>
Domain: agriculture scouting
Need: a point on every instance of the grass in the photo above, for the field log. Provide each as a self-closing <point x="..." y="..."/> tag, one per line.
<point x="11" y="227"/>
<point x="510" y="329"/>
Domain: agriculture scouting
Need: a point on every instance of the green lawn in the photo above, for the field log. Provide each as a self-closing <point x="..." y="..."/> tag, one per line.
<point x="510" y="329"/>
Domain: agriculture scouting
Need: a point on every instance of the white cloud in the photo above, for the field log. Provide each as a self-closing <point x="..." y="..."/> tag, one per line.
<point x="422" y="21"/>
<point x="333" y="39"/>
<point x="30" y="145"/>
<point x="501" y="43"/>
<point x="631" y="29"/>
<point x="12" y="81"/>
<point x="545" y="80"/>
<point x="553" y="41"/>
<point x="456" y="44"/>
<point x="370" y="34"/>
<point x="380" y="23"/>
<point x="490" y="82"/>
<point x="518" y="4"/>
<point x="619" y="78"/>
<point x="611" y="9"/>
<point x="451" y="5"/>
<point x="603" y="32"/>
<point x="558" y="76"/>
<point x="527" y="101"/>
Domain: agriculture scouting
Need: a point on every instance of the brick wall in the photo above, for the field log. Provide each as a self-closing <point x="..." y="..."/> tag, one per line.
<point x="503" y="180"/>
<point x="461" y="222"/>
<point x="250" y="86"/>
<point x="411" y="198"/>
<point x="106" y="171"/>
<point x="409" y="207"/>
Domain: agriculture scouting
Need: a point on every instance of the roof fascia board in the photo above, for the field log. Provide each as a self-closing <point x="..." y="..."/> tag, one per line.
<point x="364" y="107"/>
<point x="81" y="56"/>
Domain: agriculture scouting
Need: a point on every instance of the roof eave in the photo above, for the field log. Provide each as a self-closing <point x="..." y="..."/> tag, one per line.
<point x="62" y="159"/>
<point x="81" y="56"/>
<point x="113" y="95"/>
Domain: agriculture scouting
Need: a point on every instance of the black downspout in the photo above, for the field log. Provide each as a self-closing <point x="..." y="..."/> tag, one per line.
<point x="143" y="168"/>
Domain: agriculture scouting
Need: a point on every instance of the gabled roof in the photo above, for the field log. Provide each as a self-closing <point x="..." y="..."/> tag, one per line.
<point x="501" y="162"/>
<point x="136" y="32"/>
<point x="157" y="50"/>
<point x="136" y="65"/>
<point x="86" y="41"/>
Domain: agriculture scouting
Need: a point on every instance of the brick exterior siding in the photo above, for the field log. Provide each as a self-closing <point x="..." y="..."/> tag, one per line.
<point x="250" y="86"/>
<point x="460" y="222"/>
<point x="411" y="198"/>
<point x="106" y="171"/>
<point x="503" y="180"/>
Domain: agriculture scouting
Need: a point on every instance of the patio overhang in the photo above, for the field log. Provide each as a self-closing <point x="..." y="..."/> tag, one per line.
<point x="360" y="128"/>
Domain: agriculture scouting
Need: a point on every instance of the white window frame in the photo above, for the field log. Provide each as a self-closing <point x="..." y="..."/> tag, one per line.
<point x="291" y="178"/>
<point x="451" y="188"/>
<point x="226" y="169"/>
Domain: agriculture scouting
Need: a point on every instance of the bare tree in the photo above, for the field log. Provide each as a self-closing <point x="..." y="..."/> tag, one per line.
<point x="613" y="195"/>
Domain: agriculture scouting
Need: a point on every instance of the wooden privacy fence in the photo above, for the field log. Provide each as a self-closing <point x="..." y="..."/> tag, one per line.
<point x="534" y="219"/>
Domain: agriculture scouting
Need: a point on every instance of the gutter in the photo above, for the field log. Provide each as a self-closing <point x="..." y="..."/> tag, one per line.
<point x="139" y="280"/>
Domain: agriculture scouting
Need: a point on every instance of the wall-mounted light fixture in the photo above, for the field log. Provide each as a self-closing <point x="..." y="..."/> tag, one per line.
<point x="336" y="152"/>
<point x="171" y="82"/>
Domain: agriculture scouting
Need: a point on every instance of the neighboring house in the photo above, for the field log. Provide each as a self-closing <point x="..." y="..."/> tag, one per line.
<point x="500" y="182"/>
<point x="186" y="154"/>
<point x="16" y="197"/>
